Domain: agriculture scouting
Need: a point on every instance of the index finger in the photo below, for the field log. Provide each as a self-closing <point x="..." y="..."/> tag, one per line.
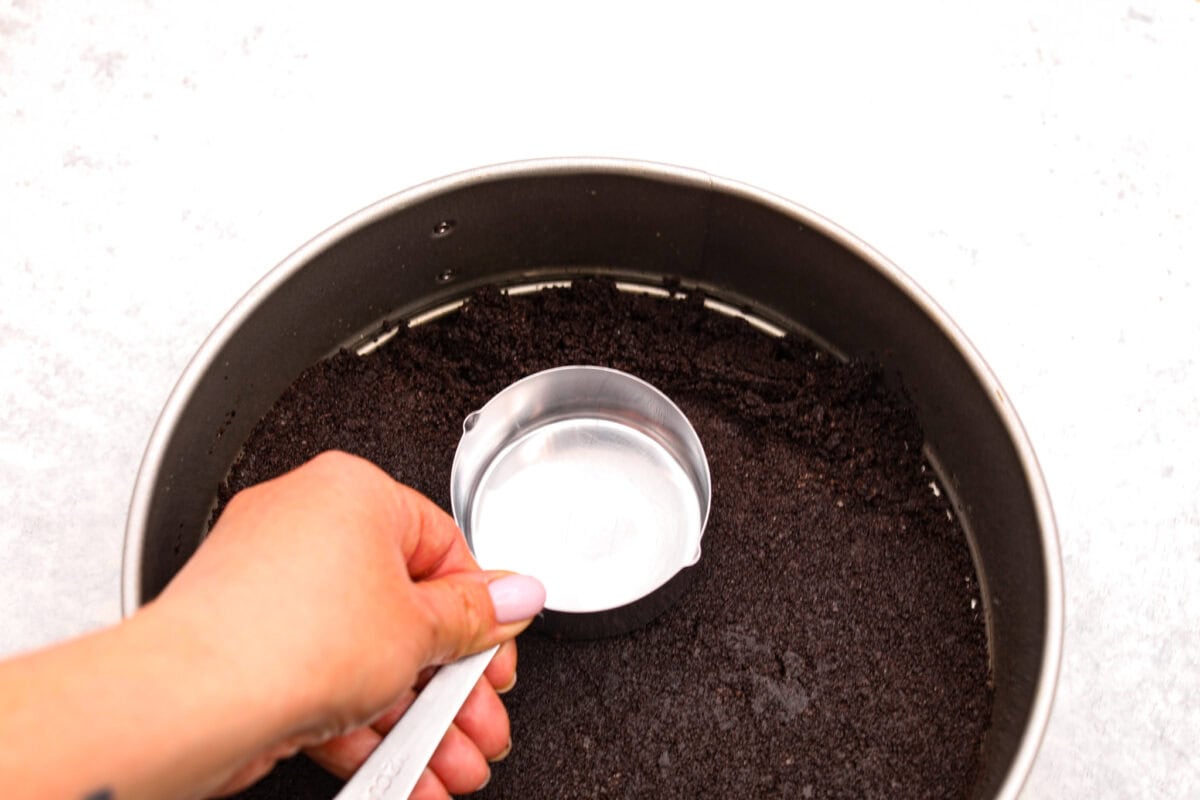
<point x="432" y="544"/>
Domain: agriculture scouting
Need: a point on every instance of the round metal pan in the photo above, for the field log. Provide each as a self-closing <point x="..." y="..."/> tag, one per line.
<point x="425" y="248"/>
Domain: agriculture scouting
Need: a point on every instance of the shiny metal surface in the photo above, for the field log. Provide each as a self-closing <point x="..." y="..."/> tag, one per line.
<point x="589" y="479"/>
<point x="396" y="763"/>
<point x="633" y="221"/>
<point x="585" y="477"/>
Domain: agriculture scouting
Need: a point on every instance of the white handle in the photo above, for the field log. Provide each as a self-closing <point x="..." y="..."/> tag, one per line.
<point x="391" y="772"/>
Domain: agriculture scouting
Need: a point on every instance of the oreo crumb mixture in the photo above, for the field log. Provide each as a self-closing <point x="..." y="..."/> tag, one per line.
<point x="832" y="643"/>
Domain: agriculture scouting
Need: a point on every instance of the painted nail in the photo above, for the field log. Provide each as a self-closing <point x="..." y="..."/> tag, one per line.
<point x="516" y="597"/>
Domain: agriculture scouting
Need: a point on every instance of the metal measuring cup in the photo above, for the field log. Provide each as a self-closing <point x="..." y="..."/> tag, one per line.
<point x="590" y="480"/>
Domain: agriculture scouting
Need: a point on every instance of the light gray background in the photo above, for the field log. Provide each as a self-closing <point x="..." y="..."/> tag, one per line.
<point x="1034" y="166"/>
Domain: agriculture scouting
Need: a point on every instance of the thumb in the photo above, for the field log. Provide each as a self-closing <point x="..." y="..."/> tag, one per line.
<point x="471" y="611"/>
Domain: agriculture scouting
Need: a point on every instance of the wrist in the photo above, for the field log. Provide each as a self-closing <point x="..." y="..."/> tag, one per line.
<point x="172" y="711"/>
<point x="237" y="696"/>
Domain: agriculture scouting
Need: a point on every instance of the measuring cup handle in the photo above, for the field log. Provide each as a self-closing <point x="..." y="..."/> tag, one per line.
<point x="392" y="770"/>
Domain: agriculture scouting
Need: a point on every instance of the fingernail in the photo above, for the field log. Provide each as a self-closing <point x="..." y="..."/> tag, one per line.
<point x="508" y="687"/>
<point x="504" y="755"/>
<point x="486" y="781"/>
<point x="516" y="597"/>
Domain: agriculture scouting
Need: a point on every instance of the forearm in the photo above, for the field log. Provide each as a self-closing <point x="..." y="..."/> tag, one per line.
<point x="307" y="614"/>
<point x="149" y="708"/>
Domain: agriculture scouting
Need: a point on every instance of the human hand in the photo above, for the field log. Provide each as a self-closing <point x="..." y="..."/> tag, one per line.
<point x="335" y="590"/>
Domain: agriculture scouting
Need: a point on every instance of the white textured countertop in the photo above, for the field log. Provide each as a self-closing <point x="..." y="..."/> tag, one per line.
<point x="1035" y="167"/>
